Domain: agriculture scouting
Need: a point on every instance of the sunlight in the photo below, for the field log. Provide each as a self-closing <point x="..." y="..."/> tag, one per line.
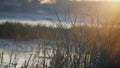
<point x="99" y="0"/>
<point x="113" y="6"/>
<point x="115" y="0"/>
<point x="113" y="9"/>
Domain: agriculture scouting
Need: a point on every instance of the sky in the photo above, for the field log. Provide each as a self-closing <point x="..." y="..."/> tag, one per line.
<point x="47" y="1"/>
<point x="53" y="1"/>
<point x="82" y="8"/>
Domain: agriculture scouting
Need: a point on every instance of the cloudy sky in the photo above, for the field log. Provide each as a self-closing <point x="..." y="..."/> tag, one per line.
<point x="27" y="9"/>
<point x="53" y="1"/>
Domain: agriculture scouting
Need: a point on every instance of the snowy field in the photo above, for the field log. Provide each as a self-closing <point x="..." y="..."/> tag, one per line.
<point x="19" y="52"/>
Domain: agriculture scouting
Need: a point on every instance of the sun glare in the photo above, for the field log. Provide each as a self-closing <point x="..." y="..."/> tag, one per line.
<point x="99" y="0"/>
<point x="115" y="0"/>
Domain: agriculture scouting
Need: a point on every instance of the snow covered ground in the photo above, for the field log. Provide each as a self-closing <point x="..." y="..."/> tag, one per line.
<point x="20" y="51"/>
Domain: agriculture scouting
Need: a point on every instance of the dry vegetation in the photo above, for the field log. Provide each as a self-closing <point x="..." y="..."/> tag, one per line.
<point x="81" y="46"/>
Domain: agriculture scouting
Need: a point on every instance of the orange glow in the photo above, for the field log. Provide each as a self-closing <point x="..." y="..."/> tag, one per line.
<point x="115" y="0"/>
<point x="99" y="0"/>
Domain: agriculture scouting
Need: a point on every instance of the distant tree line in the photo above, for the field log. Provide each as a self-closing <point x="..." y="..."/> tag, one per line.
<point x="19" y="31"/>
